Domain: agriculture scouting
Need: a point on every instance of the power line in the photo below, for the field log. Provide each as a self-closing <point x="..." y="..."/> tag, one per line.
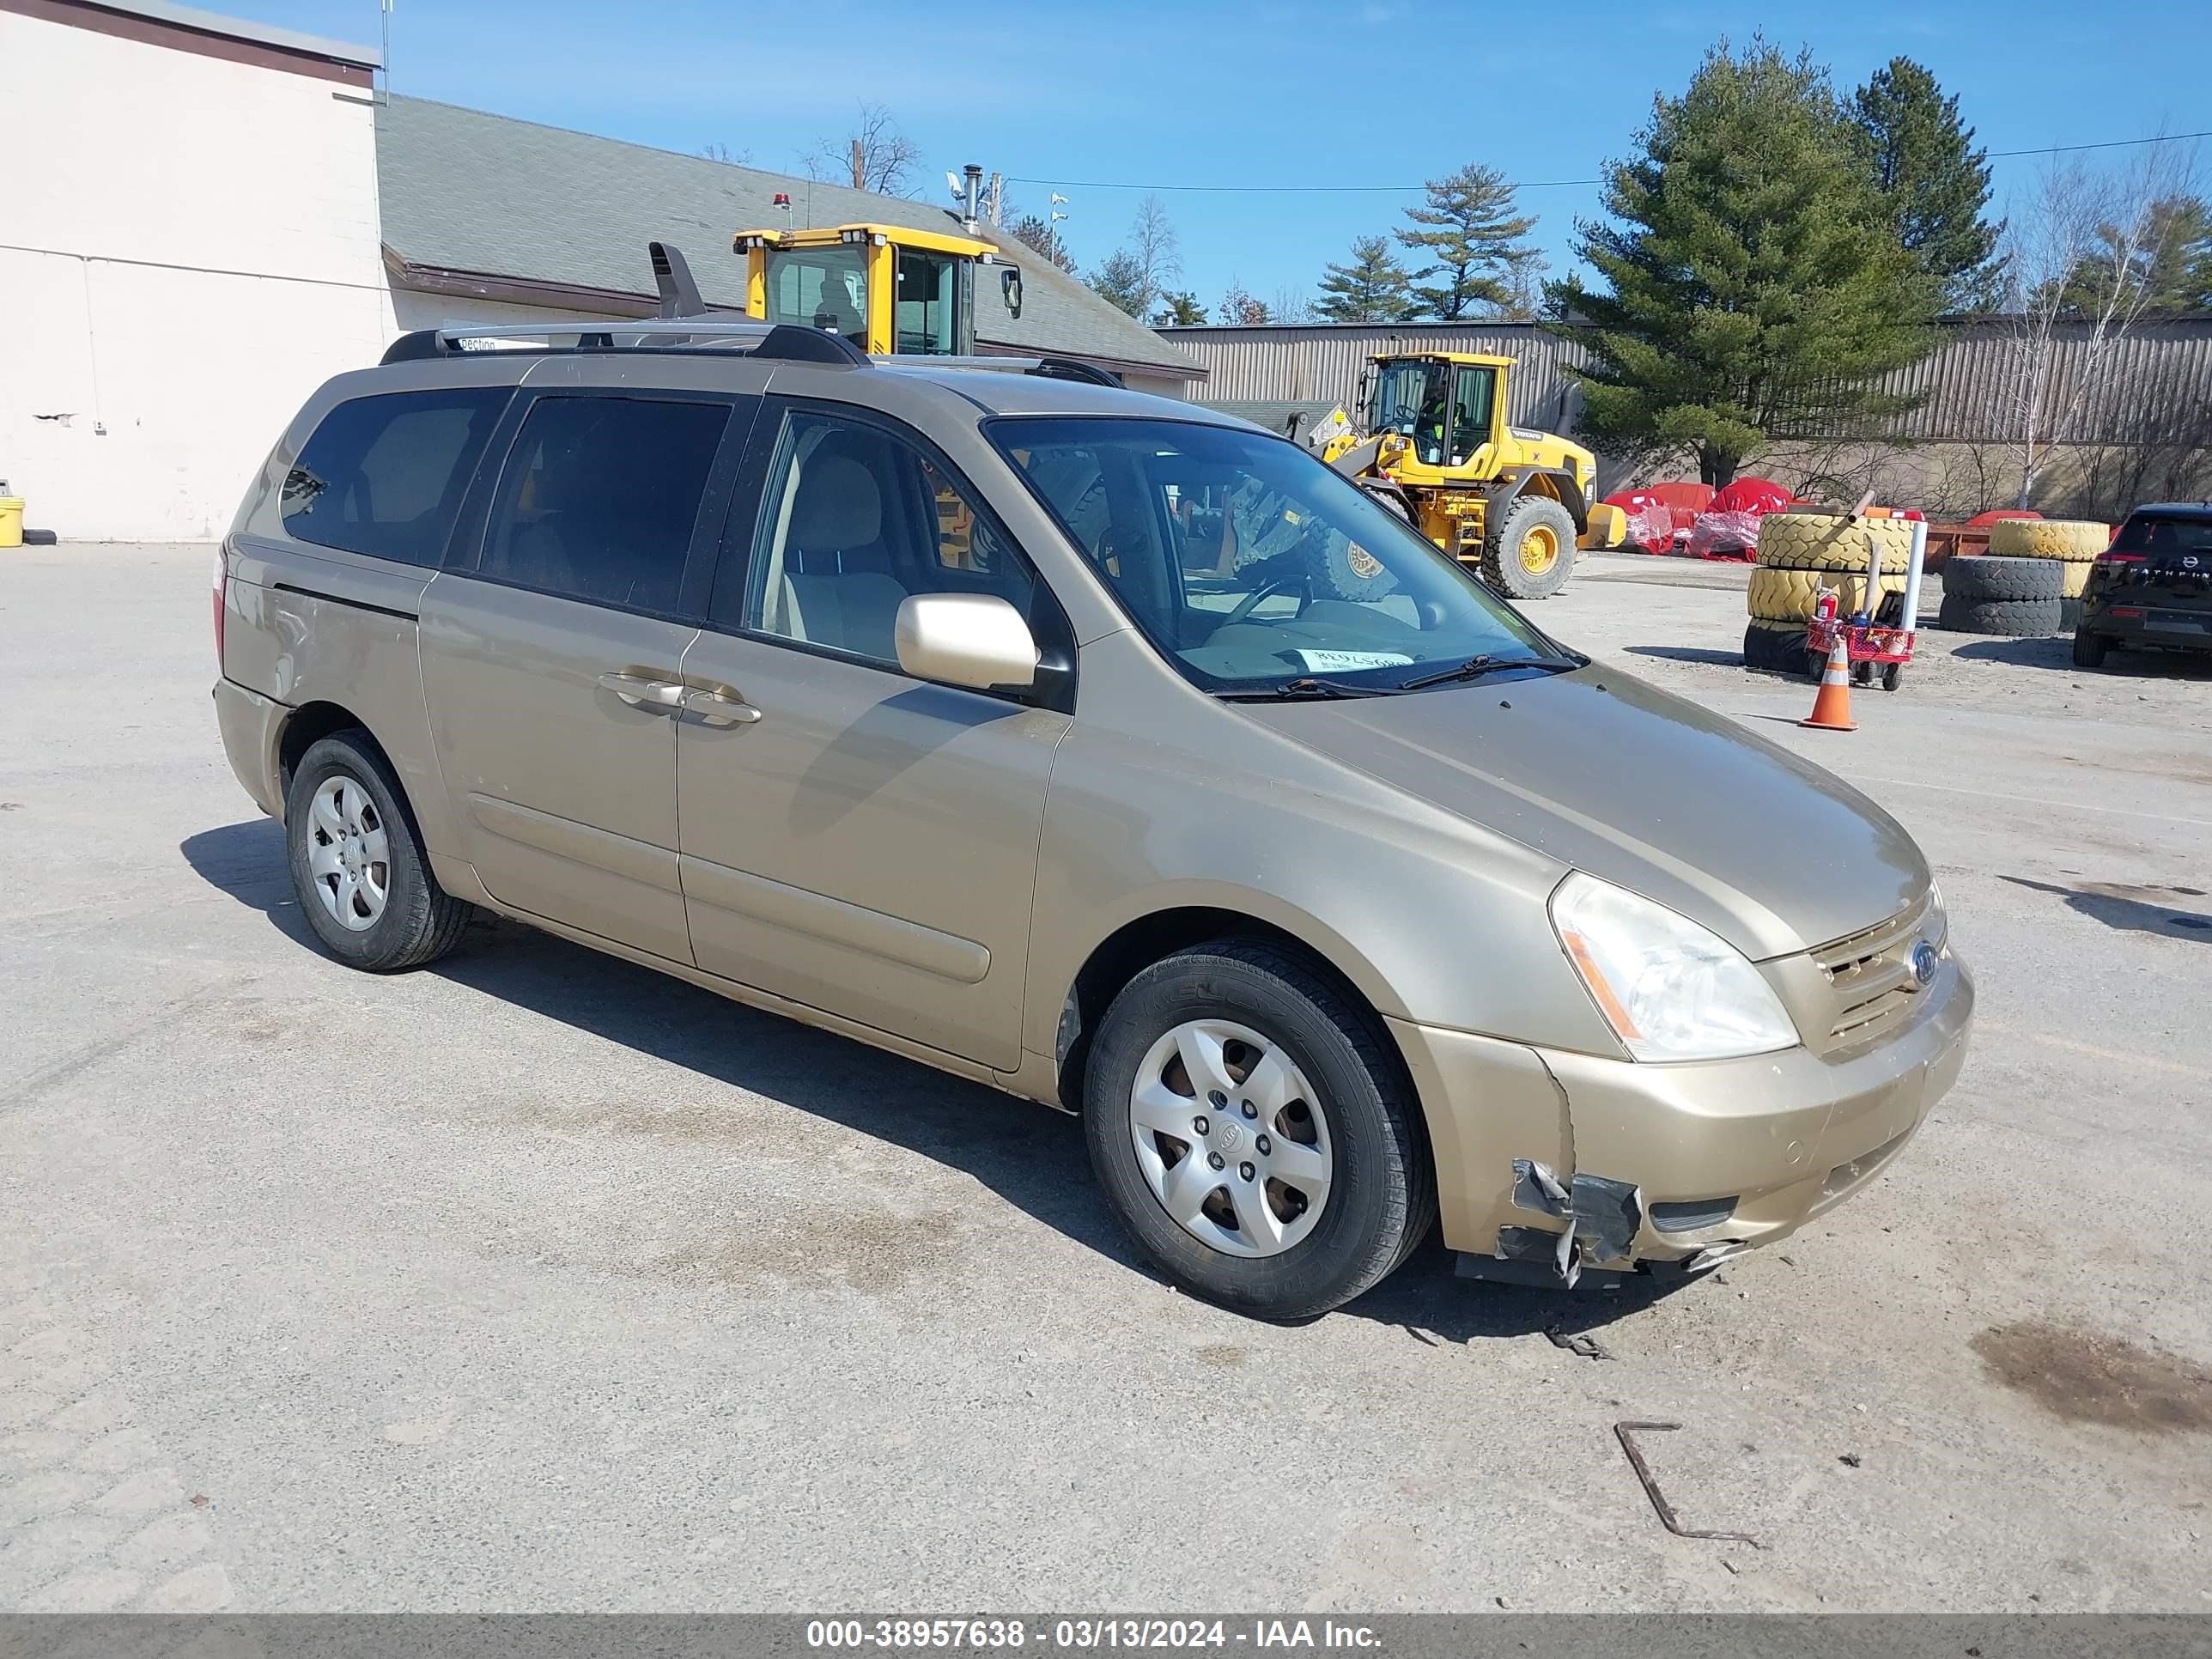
<point x="1540" y="184"/>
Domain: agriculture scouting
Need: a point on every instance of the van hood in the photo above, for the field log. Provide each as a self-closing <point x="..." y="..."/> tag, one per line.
<point x="1639" y="787"/>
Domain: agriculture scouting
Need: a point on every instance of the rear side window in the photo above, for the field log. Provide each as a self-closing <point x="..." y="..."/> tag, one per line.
<point x="384" y="476"/>
<point x="599" y="497"/>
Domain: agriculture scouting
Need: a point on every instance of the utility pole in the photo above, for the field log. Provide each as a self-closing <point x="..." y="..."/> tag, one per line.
<point x="860" y="167"/>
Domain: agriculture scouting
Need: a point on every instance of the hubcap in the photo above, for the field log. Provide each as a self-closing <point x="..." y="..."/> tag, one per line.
<point x="348" y="855"/>
<point x="1539" y="550"/>
<point x="1231" y="1138"/>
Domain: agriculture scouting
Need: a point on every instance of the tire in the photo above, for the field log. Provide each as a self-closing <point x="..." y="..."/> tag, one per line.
<point x="1776" y="647"/>
<point x="2012" y="619"/>
<point x="2049" y="538"/>
<point x="1505" y="552"/>
<point x="2089" y="648"/>
<point x="1985" y="578"/>
<point x="1349" y="571"/>
<point x="1779" y="595"/>
<point x="1892" y="673"/>
<point x="1380" y="1200"/>
<point x="2075" y="581"/>
<point x="1831" y="541"/>
<point x="416" y="920"/>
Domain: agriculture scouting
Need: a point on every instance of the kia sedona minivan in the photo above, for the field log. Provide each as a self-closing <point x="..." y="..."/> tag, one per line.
<point x="1090" y="745"/>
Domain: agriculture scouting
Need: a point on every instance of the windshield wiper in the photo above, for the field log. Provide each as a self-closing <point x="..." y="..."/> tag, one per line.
<point x="1296" y="688"/>
<point x="1475" y="667"/>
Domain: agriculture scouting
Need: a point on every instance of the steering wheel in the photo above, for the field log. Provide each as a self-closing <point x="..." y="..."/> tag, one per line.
<point x="1250" y="602"/>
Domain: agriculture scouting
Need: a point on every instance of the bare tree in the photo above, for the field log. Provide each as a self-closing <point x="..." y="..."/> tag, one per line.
<point x="874" y="156"/>
<point x="726" y="155"/>
<point x="1152" y="247"/>
<point x="2075" y="264"/>
<point x="1240" y="308"/>
<point x="1289" y="305"/>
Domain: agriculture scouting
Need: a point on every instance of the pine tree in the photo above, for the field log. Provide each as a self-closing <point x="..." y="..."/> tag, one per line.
<point x="1472" y="237"/>
<point x="1922" y="159"/>
<point x="1179" y="311"/>
<point x="1373" y="288"/>
<point x="2168" y="260"/>
<point x="1755" y="286"/>
<point x="1040" y="236"/>
<point x="1121" y="279"/>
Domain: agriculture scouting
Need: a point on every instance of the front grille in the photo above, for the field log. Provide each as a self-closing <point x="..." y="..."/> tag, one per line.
<point x="1870" y="975"/>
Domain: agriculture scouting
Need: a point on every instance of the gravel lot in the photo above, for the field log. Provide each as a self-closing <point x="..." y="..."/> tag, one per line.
<point x="536" y="1280"/>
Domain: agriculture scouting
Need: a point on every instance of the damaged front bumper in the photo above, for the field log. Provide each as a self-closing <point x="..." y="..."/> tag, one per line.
<point x="1550" y="1163"/>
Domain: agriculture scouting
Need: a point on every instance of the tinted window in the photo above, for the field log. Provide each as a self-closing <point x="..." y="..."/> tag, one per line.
<point x="384" y="476"/>
<point x="599" y="497"/>
<point x="853" y="520"/>
<point x="2146" y="533"/>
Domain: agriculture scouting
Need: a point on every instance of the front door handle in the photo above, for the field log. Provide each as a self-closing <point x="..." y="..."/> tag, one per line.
<point x="719" y="707"/>
<point x="642" y="690"/>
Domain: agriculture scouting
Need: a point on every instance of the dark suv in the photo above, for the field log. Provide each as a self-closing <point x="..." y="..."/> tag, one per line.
<point x="2152" y="587"/>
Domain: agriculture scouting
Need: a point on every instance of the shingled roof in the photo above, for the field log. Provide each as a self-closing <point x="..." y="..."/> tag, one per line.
<point x="484" y="205"/>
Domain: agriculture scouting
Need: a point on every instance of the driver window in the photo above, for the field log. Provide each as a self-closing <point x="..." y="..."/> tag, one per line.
<point x="1471" y="411"/>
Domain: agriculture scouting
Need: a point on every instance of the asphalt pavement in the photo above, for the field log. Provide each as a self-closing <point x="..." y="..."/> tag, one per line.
<point x="534" y="1280"/>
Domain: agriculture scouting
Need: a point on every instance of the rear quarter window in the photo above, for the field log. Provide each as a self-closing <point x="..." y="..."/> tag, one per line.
<point x="385" y="475"/>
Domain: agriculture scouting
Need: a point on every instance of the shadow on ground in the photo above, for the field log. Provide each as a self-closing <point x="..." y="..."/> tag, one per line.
<point x="2131" y="908"/>
<point x="2057" y="652"/>
<point x="1689" y="654"/>
<point x="1032" y="1157"/>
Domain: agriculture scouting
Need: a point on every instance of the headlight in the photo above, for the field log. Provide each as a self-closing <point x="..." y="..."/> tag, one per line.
<point x="1670" y="989"/>
<point x="1937" y="929"/>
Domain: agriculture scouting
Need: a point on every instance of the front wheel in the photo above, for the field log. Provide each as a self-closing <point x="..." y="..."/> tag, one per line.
<point x="1252" y="1133"/>
<point x="1530" y="552"/>
<point x="357" y="865"/>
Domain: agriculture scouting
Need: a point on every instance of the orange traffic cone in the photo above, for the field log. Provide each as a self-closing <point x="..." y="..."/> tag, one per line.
<point x="1832" y="705"/>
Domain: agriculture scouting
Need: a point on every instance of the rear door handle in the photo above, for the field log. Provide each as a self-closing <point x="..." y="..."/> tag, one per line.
<point x="718" y="708"/>
<point x="642" y="691"/>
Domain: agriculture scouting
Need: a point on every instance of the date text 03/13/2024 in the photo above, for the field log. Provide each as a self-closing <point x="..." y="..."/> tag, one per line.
<point x="1200" y="1635"/>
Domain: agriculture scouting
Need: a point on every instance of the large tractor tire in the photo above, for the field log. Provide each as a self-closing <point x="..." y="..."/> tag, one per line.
<point x="2049" y="538"/>
<point x="1791" y="595"/>
<point x="1531" y="553"/>
<point x="2075" y="582"/>
<point x="2008" y="618"/>
<point x="1349" y="571"/>
<point x="1987" y="579"/>
<point x="1831" y="541"/>
<point x="1778" y="647"/>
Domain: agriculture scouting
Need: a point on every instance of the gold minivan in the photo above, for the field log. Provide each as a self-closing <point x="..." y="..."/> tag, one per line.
<point x="1088" y="744"/>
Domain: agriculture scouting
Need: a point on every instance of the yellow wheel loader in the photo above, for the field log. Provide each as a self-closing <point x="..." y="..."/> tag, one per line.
<point x="891" y="289"/>
<point x="1432" y="442"/>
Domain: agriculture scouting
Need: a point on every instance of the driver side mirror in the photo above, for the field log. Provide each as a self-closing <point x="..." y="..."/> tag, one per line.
<point x="973" y="639"/>
<point x="1010" y="288"/>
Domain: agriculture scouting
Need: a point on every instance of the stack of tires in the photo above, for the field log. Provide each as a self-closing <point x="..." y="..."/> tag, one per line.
<point x="2071" y="544"/>
<point x="2018" y="596"/>
<point x="1799" y="553"/>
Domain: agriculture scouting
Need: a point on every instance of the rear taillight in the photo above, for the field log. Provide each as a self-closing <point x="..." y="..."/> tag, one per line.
<point x="220" y="570"/>
<point x="2109" y="557"/>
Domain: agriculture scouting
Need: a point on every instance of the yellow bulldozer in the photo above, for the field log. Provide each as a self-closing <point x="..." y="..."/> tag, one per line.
<point x="1431" y="440"/>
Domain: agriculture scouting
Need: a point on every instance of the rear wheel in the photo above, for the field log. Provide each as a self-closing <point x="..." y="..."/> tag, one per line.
<point x="357" y="863"/>
<point x="1531" y="552"/>
<point x="2089" y="648"/>
<point x="1252" y="1134"/>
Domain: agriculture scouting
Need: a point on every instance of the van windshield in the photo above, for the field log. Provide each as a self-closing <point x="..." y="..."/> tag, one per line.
<point x="1254" y="568"/>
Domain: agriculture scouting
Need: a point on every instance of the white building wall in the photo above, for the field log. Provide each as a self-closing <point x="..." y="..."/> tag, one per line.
<point x="191" y="246"/>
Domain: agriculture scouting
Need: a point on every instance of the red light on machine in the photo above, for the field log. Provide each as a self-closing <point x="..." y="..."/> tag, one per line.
<point x="782" y="199"/>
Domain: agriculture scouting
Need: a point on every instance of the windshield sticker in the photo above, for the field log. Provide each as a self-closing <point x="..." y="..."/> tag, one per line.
<point x="1336" y="662"/>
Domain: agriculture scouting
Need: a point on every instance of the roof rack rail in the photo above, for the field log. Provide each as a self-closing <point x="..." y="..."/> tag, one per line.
<point x="1051" y="369"/>
<point x="784" y="341"/>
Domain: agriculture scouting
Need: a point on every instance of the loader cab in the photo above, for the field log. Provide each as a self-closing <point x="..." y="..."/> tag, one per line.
<point x="889" y="290"/>
<point x="1446" y="407"/>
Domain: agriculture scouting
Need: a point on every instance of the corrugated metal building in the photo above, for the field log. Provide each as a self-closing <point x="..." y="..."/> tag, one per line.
<point x="2161" y="374"/>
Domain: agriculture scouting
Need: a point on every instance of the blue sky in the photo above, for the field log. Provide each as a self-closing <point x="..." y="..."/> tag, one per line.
<point x="1250" y="92"/>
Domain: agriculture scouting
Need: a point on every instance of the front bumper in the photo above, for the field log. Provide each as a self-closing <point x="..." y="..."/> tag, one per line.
<point x="1776" y="1139"/>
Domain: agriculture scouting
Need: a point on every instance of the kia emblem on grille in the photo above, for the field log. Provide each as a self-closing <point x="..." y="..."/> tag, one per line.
<point x="1923" y="963"/>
